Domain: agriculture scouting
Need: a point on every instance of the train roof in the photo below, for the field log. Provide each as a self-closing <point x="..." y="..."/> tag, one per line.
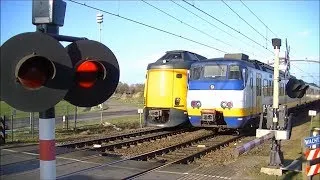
<point x="181" y="55"/>
<point x="241" y="59"/>
<point x="176" y="59"/>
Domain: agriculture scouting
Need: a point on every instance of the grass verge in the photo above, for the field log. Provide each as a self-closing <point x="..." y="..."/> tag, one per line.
<point x="85" y="129"/>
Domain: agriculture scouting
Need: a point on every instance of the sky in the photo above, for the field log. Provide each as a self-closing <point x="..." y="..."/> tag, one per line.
<point x="136" y="46"/>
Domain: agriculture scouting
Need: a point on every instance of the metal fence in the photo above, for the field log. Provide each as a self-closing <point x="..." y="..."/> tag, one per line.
<point x="23" y="126"/>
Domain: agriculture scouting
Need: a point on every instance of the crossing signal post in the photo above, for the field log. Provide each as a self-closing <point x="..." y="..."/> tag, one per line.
<point x="37" y="72"/>
<point x="277" y="119"/>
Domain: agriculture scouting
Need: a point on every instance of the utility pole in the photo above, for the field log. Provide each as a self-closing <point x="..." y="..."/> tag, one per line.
<point x="100" y="21"/>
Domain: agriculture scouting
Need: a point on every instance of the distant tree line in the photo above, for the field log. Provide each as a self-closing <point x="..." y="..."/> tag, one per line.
<point x="129" y="89"/>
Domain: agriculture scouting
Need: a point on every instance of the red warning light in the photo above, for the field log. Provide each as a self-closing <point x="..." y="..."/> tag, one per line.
<point x="34" y="72"/>
<point x="88" y="73"/>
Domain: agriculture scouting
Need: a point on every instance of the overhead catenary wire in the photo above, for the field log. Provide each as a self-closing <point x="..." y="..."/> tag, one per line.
<point x="227" y="25"/>
<point x="216" y="27"/>
<point x="258" y="18"/>
<point x="186" y="23"/>
<point x="245" y="21"/>
<point x="303" y="71"/>
<point x="146" y="25"/>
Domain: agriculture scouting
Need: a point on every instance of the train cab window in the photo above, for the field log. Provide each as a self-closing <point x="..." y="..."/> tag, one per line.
<point x="195" y="73"/>
<point x="193" y="57"/>
<point x="234" y="72"/>
<point x="215" y="71"/>
<point x="172" y="57"/>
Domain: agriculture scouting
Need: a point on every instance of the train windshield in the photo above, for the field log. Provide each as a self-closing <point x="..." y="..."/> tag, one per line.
<point x="172" y="57"/>
<point x="234" y="72"/>
<point x="217" y="72"/>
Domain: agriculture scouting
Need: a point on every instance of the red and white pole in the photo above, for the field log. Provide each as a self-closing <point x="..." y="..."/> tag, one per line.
<point x="47" y="149"/>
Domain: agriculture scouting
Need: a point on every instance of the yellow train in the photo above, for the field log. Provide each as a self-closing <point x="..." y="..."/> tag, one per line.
<point x="166" y="86"/>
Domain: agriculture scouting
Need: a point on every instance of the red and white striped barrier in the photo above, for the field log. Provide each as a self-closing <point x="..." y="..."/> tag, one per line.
<point x="47" y="148"/>
<point x="250" y="145"/>
<point x="312" y="154"/>
<point x="313" y="170"/>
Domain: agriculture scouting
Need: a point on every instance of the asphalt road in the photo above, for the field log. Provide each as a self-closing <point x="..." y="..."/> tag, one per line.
<point x="25" y="122"/>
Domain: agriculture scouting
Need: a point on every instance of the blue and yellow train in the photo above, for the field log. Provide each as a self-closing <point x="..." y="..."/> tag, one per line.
<point x="229" y="92"/>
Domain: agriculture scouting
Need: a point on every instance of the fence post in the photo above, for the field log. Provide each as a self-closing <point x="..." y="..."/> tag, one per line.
<point x="67" y="117"/>
<point x="140" y="111"/>
<point x="12" y="114"/>
<point x="32" y="127"/>
<point x="75" y="118"/>
<point x="101" y="115"/>
<point x="63" y="121"/>
<point x="2" y="130"/>
<point x="30" y="122"/>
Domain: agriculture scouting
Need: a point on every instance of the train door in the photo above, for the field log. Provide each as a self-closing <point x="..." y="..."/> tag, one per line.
<point x="180" y="85"/>
<point x="251" y="94"/>
<point x="258" y="93"/>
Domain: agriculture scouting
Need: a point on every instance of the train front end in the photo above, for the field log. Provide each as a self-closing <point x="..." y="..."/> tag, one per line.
<point x="216" y="94"/>
<point x="166" y="90"/>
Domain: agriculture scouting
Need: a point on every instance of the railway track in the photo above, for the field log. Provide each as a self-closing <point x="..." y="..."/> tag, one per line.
<point x="91" y="142"/>
<point x="123" y="140"/>
<point x="184" y="153"/>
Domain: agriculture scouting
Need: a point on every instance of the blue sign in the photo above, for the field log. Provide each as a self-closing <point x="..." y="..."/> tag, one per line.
<point x="314" y="140"/>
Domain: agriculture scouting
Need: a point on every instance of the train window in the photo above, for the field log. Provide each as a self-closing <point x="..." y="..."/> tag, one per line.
<point x="179" y="76"/>
<point x="281" y="87"/>
<point x="258" y="87"/>
<point x="269" y="88"/>
<point x="193" y="57"/>
<point x="265" y="87"/>
<point x="215" y="71"/>
<point x="172" y="57"/>
<point x="195" y="73"/>
<point x="234" y="72"/>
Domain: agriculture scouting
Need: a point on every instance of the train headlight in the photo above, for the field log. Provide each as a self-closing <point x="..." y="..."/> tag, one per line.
<point x="223" y="104"/>
<point x="177" y="101"/>
<point x="230" y="104"/>
<point x="196" y="104"/>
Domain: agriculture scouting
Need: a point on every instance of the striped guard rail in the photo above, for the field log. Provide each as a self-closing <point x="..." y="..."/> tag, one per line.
<point x="250" y="145"/>
<point x="312" y="154"/>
